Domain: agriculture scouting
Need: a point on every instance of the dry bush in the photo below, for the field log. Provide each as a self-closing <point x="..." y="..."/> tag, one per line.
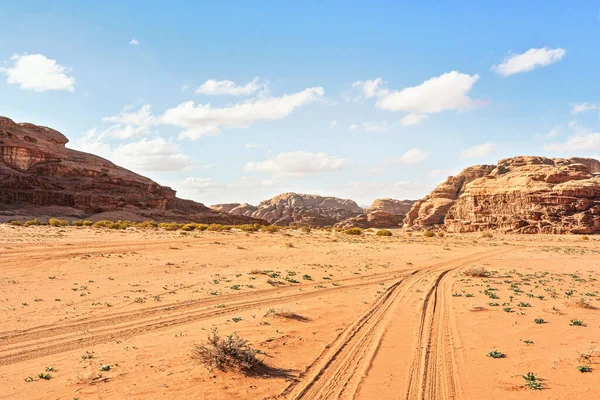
<point x="582" y="303"/>
<point x="487" y="235"/>
<point x="289" y="244"/>
<point x="477" y="272"/>
<point x="305" y="229"/>
<point x="284" y="313"/>
<point x="215" y="227"/>
<point x="384" y="232"/>
<point x="188" y="227"/>
<point x="31" y="222"/>
<point x="147" y="225"/>
<point x="226" y="353"/>
<point x="57" y="222"/>
<point x="170" y="226"/>
<point x="15" y="222"/>
<point x="440" y="234"/>
<point x="475" y="308"/>
<point x="585" y="237"/>
<point x="409" y="233"/>
<point x="270" y="228"/>
<point x="353" y="231"/>
<point x="428" y="234"/>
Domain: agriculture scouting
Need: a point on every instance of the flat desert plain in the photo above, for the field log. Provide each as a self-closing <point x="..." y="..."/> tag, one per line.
<point x="110" y="314"/>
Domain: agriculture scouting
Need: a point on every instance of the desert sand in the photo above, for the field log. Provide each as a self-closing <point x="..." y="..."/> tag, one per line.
<point x="115" y="314"/>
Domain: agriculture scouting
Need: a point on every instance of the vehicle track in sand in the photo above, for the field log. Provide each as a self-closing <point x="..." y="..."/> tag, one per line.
<point x="16" y="346"/>
<point x="343" y="367"/>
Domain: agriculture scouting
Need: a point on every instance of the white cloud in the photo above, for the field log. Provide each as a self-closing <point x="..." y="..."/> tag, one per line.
<point x="583" y="142"/>
<point x="213" y="88"/>
<point x="199" y="183"/>
<point x="155" y="154"/>
<point x="297" y="164"/>
<point x="128" y="124"/>
<point x="477" y="151"/>
<point x="369" y="88"/>
<point x="448" y="91"/>
<point x="134" y="42"/>
<point x="38" y="73"/>
<point x="413" y="119"/>
<point x="371" y="126"/>
<point x="528" y="61"/>
<point x="204" y="120"/>
<point x="411" y="157"/>
<point x="584" y="107"/>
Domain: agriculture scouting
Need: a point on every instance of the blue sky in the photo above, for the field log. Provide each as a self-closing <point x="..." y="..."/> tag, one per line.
<point x="239" y="101"/>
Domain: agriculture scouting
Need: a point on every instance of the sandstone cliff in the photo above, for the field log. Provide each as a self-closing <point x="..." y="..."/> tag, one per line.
<point x="40" y="176"/>
<point x="235" y="208"/>
<point x="520" y="194"/>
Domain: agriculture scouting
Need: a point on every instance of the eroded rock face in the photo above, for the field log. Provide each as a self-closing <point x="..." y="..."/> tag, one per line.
<point x="235" y="208"/>
<point x="521" y="194"/>
<point x="375" y="219"/>
<point x="392" y="206"/>
<point x="38" y="172"/>
<point x="306" y="209"/>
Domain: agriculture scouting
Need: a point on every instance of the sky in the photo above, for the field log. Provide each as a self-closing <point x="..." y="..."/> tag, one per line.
<point x="234" y="101"/>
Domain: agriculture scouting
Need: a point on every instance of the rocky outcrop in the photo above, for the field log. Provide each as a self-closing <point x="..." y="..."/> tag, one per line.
<point x="39" y="174"/>
<point x="235" y="208"/>
<point x="306" y="209"/>
<point x="520" y="194"/>
<point x="392" y="206"/>
<point x="383" y="213"/>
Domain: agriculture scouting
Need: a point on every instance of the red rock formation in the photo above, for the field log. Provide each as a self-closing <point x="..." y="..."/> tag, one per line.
<point x="520" y="194"/>
<point x="235" y="208"/>
<point x="306" y="209"/>
<point x="39" y="174"/>
<point x="392" y="206"/>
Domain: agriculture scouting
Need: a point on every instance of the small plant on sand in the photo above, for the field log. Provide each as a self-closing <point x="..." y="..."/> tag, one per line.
<point x="384" y="232"/>
<point x="476" y="272"/>
<point x="270" y="228"/>
<point x="539" y="321"/>
<point x="576" y="322"/>
<point x="441" y="234"/>
<point x="487" y="235"/>
<point x="532" y="382"/>
<point x="45" y="376"/>
<point x="429" y="234"/>
<point x="15" y="222"/>
<point x="353" y="231"/>
<point x="496" y="354"/>
<point x="585" y="237"/>
<point x="104" y="367"/>
<point x="584" y="368"/>
<point x="226" y="353"/>
<point x="305" y="229"/>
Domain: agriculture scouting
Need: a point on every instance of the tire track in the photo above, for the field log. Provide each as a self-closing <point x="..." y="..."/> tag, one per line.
<point x="37" y="342"/>
<point x="340" y="370"/>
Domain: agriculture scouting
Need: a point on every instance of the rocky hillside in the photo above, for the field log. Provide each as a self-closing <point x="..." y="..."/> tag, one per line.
<point x="235" y="208"/>
<point x="40" y="176"/>
<point x="520" y="194"/>
<point x="383" y="213"/>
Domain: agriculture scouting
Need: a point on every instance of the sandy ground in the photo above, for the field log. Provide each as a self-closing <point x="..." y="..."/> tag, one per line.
<point x="376" y="317"/>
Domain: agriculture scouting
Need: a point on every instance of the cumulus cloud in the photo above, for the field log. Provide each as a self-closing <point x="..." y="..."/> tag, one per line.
<point x="205" y="120"/>
<point x="368" y="88"/>
<point x="413" y="156"/>
<point x="584" y="107"/>
<point x="413" y="119"/>
<point x="580" y="142"/>
<point x="477" y="151"/>
<point x="448" y="91"/>
<point x="296" y="164"/>
<point x="134" y="42"/>
<point x="156" y="154"/>
<point x="528" y="61"/>
<point x="213" y="88"/>
<point x="38" y="73"/>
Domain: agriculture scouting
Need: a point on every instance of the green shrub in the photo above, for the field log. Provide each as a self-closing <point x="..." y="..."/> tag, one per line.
<point x="87" y="223"/>
<point x="249" y="227"/>
<point x="15" y="222"/>
<point x="147" y="225"/>
<point x="57" y="222"/>
<point x="214" y="227"/>
<point x="384" y="232"/>
<point x="77" y="222"/>
<point x="31" y="222"/>
<point x="428" y="234"/>
<point x="353" y="231"/>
